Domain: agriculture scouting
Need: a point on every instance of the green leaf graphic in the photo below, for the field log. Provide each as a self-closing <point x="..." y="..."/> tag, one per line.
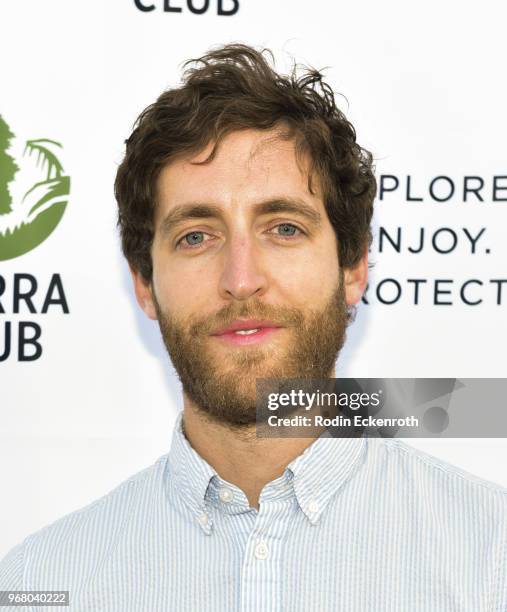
<point x="26" y="224"/>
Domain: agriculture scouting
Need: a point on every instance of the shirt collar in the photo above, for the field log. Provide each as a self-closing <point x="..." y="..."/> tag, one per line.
<point x="313" y="477"/>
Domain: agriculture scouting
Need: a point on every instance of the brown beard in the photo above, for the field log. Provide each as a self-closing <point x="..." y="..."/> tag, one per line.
<point x="225" y="391"/>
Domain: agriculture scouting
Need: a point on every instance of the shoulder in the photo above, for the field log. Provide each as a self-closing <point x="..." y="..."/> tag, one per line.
<point x="416" y="482"/>
<point x="82" y="537"/>
<point x="418" y="462"/>
<point x="469" y="513"/>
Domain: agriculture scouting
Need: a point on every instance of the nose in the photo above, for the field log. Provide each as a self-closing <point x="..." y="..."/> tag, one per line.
<point x="242" y="276"/>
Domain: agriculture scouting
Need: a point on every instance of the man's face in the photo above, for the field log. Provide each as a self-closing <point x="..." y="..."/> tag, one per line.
<point x="240" y="241"/>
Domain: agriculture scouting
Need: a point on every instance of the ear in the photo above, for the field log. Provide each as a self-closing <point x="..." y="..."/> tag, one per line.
<point x="355" y="280"/>
<point x="144" y="294"/>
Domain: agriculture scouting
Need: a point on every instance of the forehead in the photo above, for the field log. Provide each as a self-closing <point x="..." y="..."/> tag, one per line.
<point x="248" y="166"/>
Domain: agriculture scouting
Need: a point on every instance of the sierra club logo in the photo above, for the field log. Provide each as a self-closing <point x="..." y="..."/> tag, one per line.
<point x="30" y="209"/>
<point x="25" y="222"/>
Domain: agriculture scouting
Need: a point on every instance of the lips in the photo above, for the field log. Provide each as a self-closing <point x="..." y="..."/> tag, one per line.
<point x="247" y="332"/>
<point x="246" y="325"/>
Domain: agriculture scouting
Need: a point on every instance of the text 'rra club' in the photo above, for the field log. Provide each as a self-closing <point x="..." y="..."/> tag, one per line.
<point x="23" y="295"/>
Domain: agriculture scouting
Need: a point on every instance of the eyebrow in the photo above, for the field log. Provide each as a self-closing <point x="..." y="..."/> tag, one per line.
<point x="185" y="212"/>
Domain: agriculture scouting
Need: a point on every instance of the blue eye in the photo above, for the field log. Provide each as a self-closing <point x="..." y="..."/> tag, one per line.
<point x="194" y="238"/>
<point x="287" y="229"/>
<point x="194" y="241"/>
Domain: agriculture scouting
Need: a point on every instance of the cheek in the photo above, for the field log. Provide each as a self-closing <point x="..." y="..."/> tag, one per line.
<point x="183" y="292"/>
<point x="306" y="287"/>
<point x="312" y="274"/>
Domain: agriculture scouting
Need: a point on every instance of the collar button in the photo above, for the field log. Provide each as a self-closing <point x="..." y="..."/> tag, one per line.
<point x="226" y="495"/>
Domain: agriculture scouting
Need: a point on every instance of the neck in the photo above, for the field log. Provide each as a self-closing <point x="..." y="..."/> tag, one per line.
<point x="239" y="456"/>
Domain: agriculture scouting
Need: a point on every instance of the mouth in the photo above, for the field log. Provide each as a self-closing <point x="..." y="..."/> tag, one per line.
<point x="246" y="332"/>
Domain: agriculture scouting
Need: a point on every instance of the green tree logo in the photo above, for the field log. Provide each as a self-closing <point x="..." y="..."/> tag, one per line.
<point x="27" y="223"/>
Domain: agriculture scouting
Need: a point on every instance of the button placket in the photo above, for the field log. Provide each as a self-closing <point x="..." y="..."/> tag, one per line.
<point x="261" y="583"/>
<point x="261" y="550"/>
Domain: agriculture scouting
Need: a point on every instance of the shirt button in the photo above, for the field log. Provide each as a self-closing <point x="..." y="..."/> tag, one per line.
<point x="261" y="550"/>
<point x="313" y="506"/>
<point x="203" y="519"/>
<point x="226" y="495"/>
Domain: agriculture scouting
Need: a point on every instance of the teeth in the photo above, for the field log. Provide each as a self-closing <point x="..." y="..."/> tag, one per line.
<point x="244" y="332"/>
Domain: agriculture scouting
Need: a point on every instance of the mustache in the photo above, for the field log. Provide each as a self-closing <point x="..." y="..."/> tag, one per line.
<point x="284" y="316"/>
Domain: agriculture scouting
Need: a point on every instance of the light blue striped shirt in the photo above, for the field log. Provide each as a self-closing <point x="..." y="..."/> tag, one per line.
<point x="352" y="525"/>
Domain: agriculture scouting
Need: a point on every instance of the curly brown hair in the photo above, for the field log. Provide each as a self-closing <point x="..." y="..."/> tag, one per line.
<point x="236" y="87"/>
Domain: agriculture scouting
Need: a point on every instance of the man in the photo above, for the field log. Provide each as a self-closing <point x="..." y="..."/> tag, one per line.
<point x="244" y="207"/>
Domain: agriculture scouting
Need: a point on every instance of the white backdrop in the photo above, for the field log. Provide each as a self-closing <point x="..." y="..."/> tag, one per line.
<point x="426" y="93"/>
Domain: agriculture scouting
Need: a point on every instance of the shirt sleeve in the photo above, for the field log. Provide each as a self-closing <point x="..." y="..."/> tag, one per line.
<point x="11" y="569"/>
